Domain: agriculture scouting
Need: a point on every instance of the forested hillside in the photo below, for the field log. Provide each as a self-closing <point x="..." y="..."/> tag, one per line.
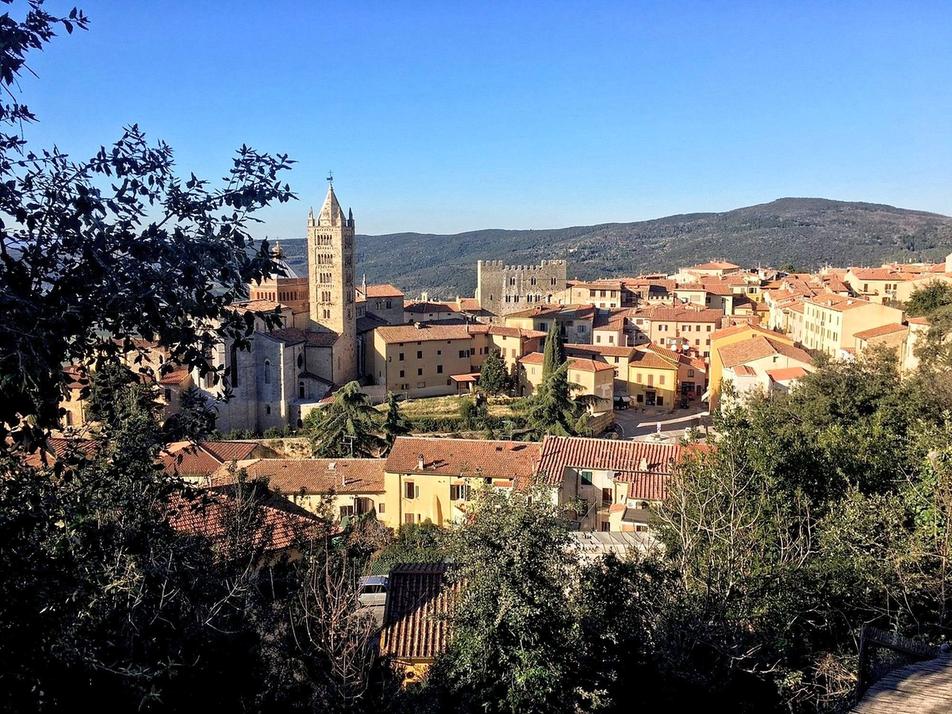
<point x="804" y="232"/>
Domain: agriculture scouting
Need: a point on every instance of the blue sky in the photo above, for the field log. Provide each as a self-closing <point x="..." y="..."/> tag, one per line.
<point x="448" y="116"/>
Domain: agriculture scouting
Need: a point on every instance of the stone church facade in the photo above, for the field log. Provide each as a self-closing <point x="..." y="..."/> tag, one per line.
<point x="287" y="371"/>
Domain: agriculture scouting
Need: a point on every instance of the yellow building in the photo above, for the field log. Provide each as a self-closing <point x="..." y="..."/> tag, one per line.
<point x="431" y="479"/>
<point x="617" y="357"/>
<point x="417" y="360"/>
<point x="604" y="294"/>
<point x="728" y="336"/>
<point x="675" y="327"/>
<point x="652" y="378"/>
<point x="588" y="377"/>
<point x="760" y="365"/>
<point x="896" y="283"/>
<point x="830" y="322"/>
<point x="340" y="488"/>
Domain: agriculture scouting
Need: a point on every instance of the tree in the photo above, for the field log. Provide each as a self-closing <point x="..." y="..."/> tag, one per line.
<point x="195" y="419"/>
<point x="552" y="410"/>
<point x="492" y="376"/>
<point x="514" y="641"/>
<point x="348" y="426"/>
<point x="554" y="351"/>
<point x="97" y="253"/>
<point x="394" y="423"/>
<point x="926" y="300"/>
<point x="109" y="387"/>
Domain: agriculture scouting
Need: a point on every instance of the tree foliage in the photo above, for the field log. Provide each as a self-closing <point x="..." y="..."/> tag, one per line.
<point x="349" y="426"/>
<point x="493" y="377"/>
<point x="394" y="423"/>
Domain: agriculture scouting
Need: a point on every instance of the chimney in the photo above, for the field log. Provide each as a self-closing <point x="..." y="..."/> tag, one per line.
<point x="643" y="464"/>
<point x="343" y="479"/>
<point x="420" y="462"/>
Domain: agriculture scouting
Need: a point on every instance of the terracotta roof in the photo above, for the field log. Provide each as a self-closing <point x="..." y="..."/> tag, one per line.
<point x="645" y="485"/>
<point x="464" y="457"/>
<point x="880" y="331"/>
<point x="576" y="363"/>
<point x="210" y="514"/>
<point x="614" y="320"/>
<point x="548" y="310"/>
<point x="837" y="302"/>
<point x="714" y="265"/>
<point x="679" y="314"/>
<point x="603" y="350"/>
<point x="786" y="374"/>
<point x="416" y="621"/>
<point x="505" y="331"/>
<point x="426" y="306"/>
<point x="742" y="370"/>
<point x="880" y="274"/>
<point x="739" y="329"/>
<point x="383" y="290"/>
<point x="57" y="447"/>
<point x="203" y="459"/>
<point x="296" y="336"/>
<point x="918" y="320"/>
<point x="176" y="376"/>
<point x="257" y="306"/>
<point x="423" y="333"/>
<point x="313" y="476"/>
<point x="648" y="359"/>
<point x="533" y="358"/>
<point x="627" y="457"/>
<point x="76" y="377"/>
<point x="758" y="347"/>
<point x="469" y="305"/>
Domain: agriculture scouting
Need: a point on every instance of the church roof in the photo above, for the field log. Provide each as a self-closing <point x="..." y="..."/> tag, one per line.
<point x="331" y="212"/>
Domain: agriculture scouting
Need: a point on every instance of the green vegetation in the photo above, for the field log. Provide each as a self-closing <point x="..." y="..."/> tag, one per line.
<point x="444" y="414"/>
<point x="551" y="409"/>
<point x="803" y="232"/>
<point x="394" y="423"/>
<point x="929" y="299"/>
<point x="493" y="377"/>
<point x="348" y="426"/>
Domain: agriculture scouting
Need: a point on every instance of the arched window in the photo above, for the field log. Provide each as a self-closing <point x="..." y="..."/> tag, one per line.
<point x="300" y="360"/>
<point x="301" y="389"/>
<point x="267" y="371"/>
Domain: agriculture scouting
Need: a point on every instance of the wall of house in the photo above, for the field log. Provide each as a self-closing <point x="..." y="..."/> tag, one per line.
<point x="662" y="382"/>
<point x="426" y="365"/>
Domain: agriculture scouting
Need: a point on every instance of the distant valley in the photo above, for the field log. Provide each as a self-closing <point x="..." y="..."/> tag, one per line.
<point x="803" y="232"/>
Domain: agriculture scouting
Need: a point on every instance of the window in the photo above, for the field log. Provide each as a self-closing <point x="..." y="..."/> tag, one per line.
<point x="168" y="395"/>
<point x="607" y="497"/>
<point x="234" y="366"/>
<point x="586" y="478"/>
<point x="400" y="358"/>
<point x="419" y="354"/>
<point x="401" y="373"/>
<point x="409" y="518"/>
<point x="604" y="526"/>
<point x="410" y="490"/>
<point x="439" y="369"/>
<point x="419" y="372"/>
<point x="300" y="360"/>
<point x="381" y="507"/>
<point x="463" y="354"/>
<point x="346" y="511"/>
<point x="267" y="409"/>
<point x="459" y="493"/>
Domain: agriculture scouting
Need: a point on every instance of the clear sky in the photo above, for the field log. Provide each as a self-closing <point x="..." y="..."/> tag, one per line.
<point x="447" y="116"/>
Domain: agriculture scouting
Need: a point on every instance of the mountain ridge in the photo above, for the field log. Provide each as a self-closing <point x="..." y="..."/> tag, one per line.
<point x="804" y="232"/>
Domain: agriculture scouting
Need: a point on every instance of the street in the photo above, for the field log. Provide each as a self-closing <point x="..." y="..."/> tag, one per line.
<point x="638" y="424"/>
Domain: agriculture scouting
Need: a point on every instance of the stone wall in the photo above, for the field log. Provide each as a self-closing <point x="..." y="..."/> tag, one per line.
<point x="502" y="288"/>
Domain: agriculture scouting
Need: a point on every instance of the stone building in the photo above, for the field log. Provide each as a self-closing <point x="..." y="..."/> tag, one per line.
<point x="502" y="288"/>
<point x="288" y="370"/>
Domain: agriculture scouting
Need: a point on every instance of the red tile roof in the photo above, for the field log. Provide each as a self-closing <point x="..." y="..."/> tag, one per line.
<point x="184" y="458"/>
<point x="603" y="350"/>
<point x="416" y="624"/>
<point x="714" y="265"/>
<point x="423" y="333"/>
<point x="425" y="307"/>
<point x="383" y="290"/>
<point x="212" y="513"/>
<point x="758" y="347"/>
<point x="463" y="457"/>
<point x="313" y="476"/>
<point x="176" y="376"/>
<point x="627" y="457"/>
<point x="786" y="374"/>
<point x="880" y="331"/>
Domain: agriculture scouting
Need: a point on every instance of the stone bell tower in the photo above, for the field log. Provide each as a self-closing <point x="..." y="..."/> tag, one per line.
<point x="330" y="269"/>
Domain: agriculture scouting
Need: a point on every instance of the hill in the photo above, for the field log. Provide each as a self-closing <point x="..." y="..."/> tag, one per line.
<point x="804" y="232"/>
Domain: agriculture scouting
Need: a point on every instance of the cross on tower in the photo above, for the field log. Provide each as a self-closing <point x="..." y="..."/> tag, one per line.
<point x="330" y="177"/>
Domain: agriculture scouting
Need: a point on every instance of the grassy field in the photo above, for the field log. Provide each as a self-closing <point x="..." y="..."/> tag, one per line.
<point x="448" y="407"/>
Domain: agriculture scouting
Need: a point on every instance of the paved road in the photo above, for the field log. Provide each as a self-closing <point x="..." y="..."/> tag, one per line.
<point x="633" y="423"/>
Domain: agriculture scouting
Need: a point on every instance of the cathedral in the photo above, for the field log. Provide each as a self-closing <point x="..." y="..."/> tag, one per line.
<point x="289" y="370"/>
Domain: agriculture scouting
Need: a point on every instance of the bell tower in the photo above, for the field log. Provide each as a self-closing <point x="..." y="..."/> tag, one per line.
<point x="330" y="269"/>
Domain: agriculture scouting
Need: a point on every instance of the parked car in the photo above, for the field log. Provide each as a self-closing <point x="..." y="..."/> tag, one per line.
<point x="622" y="402"/>
<point x="372" y="590"/>
<point x="683" y="403"/>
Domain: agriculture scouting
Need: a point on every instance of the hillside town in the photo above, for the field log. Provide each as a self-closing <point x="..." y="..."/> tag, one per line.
<point x="233" y="477"/>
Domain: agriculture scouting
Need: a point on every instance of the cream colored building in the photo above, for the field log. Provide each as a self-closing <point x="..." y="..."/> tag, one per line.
<point x="588" y="376"/>
<point x="830" y="322"/>
<point x="677" y="327"/>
